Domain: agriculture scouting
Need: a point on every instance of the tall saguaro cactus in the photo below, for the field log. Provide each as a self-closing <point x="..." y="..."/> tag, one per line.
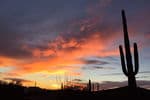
<point x="127" y="66"/>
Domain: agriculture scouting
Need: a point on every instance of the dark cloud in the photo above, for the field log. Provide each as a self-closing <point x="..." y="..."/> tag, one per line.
<point x="121" y="73"/>
<point x="95" y="63"/>
<point x="36" y="24"/>
<point x="11" y="42"/>
<point x="144" y="72"/>
<point x="111" y="58"/>
<point x="98" y="67"/>
<point x="112" y="74"/>
<point x="66" y="44"/>
<point x="77" y="80"/>
<point x="95" y="67"/>
<point x="143" y="77"/>
<point x="83" y="28"/>
<point x="25" y="23"/>
<point x="94" y="60"/>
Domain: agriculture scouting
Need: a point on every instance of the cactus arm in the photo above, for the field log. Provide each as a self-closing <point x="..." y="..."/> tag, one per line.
<point x="123" y="61"/>
<point x="127" y="44"/>
<point x="136" y="59"/>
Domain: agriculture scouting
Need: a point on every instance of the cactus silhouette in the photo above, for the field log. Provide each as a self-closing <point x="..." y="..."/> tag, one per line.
<point x="89" y="86"/>
<point x="93" y="87"/>
<point x="97" y="86"/>
<point x="35" y="84"/>
<point x="62" y="86"/>
<point x="127" y="66"/>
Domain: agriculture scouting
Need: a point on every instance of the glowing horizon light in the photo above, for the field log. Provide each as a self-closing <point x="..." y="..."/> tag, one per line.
<point x="55" y="86"/>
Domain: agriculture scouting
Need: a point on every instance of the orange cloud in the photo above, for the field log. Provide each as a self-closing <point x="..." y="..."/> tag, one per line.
<point x="60" y="57"/>
<point x="5" y="61"/>
<point x="64" y="58"/>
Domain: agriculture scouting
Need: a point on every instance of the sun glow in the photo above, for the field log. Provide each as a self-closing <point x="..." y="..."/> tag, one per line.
<point x="55" y="86"/>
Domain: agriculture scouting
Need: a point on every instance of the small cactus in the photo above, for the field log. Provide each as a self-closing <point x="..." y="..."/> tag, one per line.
<point x="127" y="66"/>
<point x="97" y="86"/>
<point x="35" y="84"/>
<point x="93" y="87"/>
<point x="89" y="86"/>
<point x="62" y="86"/>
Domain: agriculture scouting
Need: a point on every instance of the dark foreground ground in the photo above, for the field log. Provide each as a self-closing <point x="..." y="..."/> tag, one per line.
<point x="119" y="94"/>
<point x="21" y="93"/>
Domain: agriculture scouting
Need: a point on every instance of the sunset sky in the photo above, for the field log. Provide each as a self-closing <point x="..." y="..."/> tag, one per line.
<point x="49" y="41"/>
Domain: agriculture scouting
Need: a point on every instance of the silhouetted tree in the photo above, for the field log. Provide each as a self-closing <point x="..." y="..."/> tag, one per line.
<point x="127" y="66"/>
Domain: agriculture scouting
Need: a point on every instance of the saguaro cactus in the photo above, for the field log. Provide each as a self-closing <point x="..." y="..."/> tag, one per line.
<point x="89" y="86"/>
<point x="35" y="84"/>
<point x="62" y="86"/>
<point x="97" y="86"/>
<point x="127" y="66"/>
